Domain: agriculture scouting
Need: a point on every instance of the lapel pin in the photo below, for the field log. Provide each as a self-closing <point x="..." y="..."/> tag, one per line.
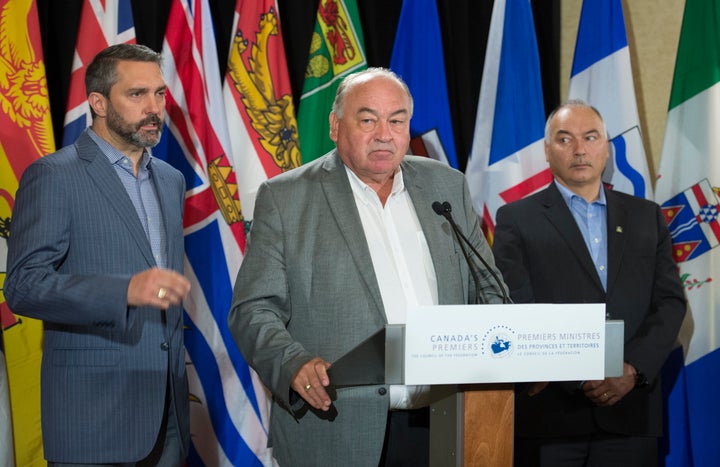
<point x="618" y="229"/>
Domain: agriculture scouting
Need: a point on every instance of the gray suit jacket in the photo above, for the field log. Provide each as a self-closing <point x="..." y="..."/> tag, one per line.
<point x="75" y="242"/>
<point x="307" y="288"/>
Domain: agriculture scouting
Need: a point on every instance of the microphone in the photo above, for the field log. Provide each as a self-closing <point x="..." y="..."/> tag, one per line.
<point x="445" y="209"/>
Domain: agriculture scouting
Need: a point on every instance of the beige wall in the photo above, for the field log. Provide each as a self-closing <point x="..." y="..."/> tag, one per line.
<point x="653" y="28"/>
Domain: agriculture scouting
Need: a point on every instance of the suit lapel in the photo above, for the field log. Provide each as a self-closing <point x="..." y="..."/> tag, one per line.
<point x="110" y="187"/>
<point x="437" y="231"/>
<point x="616" y="222"/>
<point x="560" y="216"/>
<point x="341" y="202"/>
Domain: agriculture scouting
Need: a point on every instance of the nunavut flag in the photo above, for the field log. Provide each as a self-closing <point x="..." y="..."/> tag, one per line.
<point x="336" y="50"/>
<point x="25" y="135"/>
<point x="102" y="24"/>
<point x="258" y="100"/>
<point x="228" y="406"/>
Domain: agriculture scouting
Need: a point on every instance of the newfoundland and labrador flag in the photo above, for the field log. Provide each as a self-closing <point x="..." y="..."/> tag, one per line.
<point x="507" y="160"/>
<point x="337" y="49"/>
<point x="102" y="24"/>
<point x="687" y="188"/>
<point x="228" y="406"/>
<point x="602" y="77"/>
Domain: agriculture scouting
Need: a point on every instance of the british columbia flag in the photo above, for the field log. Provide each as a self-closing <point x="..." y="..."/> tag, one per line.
<point x="102" y="23"/>
<point x="228" y="407"/>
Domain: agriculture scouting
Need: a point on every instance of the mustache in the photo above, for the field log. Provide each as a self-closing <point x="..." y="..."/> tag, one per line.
<point x="578" y="162"/>
<point x="151" y="120"/>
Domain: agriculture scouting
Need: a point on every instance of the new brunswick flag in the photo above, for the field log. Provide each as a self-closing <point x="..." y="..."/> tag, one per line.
<point x="25" y="135"/>
<point x="336" y="50"/>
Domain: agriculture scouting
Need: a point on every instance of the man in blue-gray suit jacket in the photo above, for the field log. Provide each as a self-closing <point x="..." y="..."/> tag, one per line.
<point x="96" y="252"/>
<point x="339" y="248"/>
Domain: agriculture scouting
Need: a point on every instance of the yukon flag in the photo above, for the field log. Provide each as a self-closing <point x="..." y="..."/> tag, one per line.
<point x="418" y="58"/>
<point x="228" y="406"/>
<point x="507" y="160"/>
<point x="602" y="76"/>
<point x="336" y="50"/>
<point x="258" y="100"/>
<point x="102" y="24"/>
<point x="687" y="189"/>
<point x="25" y="135"/>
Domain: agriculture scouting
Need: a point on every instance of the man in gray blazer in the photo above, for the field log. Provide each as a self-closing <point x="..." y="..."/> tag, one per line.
<point x="339" y="248"/>
<point x="578" y="242"/>
<point x="96" y="252"/>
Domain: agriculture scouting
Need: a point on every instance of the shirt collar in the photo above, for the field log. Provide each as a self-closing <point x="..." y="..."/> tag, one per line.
<point x="363" y="191"/>
<point x="568" y="195"/>
<point x="113" y="154"/>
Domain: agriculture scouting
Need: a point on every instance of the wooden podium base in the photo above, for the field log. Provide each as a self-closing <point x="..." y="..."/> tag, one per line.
<point x="473" y="427"/>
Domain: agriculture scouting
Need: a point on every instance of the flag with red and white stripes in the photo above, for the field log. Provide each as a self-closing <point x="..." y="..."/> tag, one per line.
<point x="228" y="406"/>
<point x="102" y="23"/>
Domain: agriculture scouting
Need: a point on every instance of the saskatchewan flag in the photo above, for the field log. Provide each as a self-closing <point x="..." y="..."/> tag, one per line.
<point x="687" y="190"/>
<point x="336" y="50"/>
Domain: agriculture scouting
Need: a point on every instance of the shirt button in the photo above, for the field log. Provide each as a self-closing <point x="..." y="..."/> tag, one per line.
<point x="165" y="346"/>
<point x="382" y="391"/>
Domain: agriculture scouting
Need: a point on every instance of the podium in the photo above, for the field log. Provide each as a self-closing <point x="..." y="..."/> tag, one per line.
<point x="475" y="353"/>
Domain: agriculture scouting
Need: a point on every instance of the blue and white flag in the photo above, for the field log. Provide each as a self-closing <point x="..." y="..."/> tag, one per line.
<point x="418" y="58"/>
<point x="602" y="77"/>
<point x="507" y="161"/>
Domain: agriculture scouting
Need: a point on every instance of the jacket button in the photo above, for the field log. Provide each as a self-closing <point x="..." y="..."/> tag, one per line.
<point x="164" y="346"/>
<point x="382" y="391"/>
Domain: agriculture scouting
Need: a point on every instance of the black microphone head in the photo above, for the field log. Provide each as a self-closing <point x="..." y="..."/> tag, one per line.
<point x="447" y="207"/>
<point x="438" y="208"/>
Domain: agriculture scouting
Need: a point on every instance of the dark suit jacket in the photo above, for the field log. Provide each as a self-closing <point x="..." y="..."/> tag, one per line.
<point x="543" y="258"/>
<point x="75" y="242"/>
<point x="307" y="288"/>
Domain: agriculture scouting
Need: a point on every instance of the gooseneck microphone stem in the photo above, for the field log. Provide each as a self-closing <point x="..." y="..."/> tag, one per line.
<point x="445" y="209"/>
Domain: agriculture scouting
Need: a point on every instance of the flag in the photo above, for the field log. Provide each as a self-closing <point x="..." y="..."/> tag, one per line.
<point x="418" y="58"/>
<point x="25" y="135"/>
<point x="102" y="23"/>
<point x="507" y="159"/>
<point x="602" y="76"/>
<point x="258" y="100"/>
<point x="228" y="407"/>
<point x="336" y="50"/>
<point x="687" y="189"/>
<point x="7" y="452"/>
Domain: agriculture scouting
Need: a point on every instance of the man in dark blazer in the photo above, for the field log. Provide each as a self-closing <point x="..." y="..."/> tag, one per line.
<point x="96" y="252"/>
<point x="578" y="242"/>
<point x="319" y="276"/>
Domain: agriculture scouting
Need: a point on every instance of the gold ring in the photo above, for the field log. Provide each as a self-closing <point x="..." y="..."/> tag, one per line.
<point x="162" y="293"/>
<point x="308" y="387"/>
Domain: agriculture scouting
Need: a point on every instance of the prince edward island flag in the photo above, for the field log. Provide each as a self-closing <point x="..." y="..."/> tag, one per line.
<point x="687" y="187"/>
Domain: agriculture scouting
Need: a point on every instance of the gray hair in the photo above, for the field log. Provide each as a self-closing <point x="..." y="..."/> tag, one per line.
<point x="573" y="103"/>
<point x="364" y="76"/>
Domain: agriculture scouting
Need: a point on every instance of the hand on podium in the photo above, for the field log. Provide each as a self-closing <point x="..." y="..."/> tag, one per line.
<point x="310" y="383"/>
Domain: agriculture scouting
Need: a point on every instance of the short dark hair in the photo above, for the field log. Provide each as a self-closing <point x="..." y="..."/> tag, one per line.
<point x="101" y="73"/>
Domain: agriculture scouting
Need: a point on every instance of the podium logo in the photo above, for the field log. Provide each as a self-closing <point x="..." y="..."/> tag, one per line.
<point x="498" y="342"/>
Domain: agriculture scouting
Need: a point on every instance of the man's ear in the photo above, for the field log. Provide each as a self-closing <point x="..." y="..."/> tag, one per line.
<point x="98" y="103"/>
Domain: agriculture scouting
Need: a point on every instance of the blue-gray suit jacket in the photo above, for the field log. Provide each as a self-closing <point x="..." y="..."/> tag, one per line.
<point x="307" y="288"/>
<point x="74" y="243"/>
